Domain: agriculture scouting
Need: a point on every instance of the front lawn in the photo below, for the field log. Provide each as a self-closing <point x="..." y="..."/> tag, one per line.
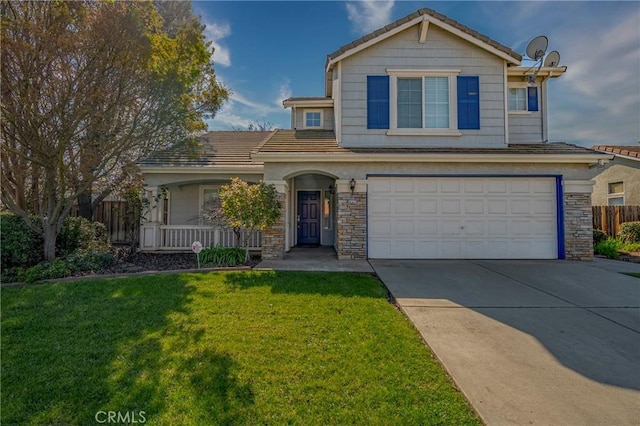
<point x="219" y="348"/>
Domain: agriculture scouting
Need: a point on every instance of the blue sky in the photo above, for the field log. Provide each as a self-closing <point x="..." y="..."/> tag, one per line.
<point x="267" y="51"/>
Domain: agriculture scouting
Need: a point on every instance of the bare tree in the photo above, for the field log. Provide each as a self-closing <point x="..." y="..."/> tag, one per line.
<point x="88" y="87"/>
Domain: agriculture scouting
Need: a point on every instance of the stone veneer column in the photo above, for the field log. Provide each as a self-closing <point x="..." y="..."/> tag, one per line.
<point x="352" y="222"/>
<point x="273" y="238"/>
<point x="578" y="220"/>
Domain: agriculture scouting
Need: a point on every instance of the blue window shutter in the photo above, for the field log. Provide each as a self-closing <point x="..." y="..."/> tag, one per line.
<point x="532" y="98"/>
<point x="377" y="102"/>
<point x="468" y="102"/>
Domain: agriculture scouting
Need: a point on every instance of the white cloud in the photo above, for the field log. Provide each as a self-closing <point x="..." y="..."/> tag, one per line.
<point x="368" y="15"/>
<point x="285" y="93"/>
<point x="214" y="33"/>
<point x="239" y="111"/>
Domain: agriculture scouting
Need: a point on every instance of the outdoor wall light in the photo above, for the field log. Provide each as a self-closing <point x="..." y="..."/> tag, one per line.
<point x="331" y="190"/>
<point x="352" y="185"/>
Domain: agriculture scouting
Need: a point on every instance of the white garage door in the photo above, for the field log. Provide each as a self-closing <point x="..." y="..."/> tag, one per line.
<point x="462" y="218"/>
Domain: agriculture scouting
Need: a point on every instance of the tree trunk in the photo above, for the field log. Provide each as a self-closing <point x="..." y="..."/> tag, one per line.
<point x="85" y="205"/>
<point x="50" y="236"/>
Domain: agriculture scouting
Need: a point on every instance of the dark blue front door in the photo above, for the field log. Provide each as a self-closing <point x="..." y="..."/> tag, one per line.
<point x="308" y="217"/>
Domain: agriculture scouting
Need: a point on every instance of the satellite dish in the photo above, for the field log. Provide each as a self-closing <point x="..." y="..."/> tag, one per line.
<point x="537" y="47"/>
<point x="552" y="59"/>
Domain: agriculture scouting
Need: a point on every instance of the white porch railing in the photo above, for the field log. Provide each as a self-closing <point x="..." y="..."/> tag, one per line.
<point x="180" y="237"/>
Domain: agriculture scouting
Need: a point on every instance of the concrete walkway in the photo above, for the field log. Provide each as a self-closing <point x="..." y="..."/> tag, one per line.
<point x="529" y="342"/>
<point x="315" y="259"/>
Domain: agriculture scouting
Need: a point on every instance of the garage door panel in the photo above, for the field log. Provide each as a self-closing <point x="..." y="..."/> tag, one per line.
<point x="454" y="218"/>
<point x="427" y="206"/>
<point x="427" y="227"/>
<point x="474" y="206"/>
<point x="379" y="206"/>
<point x="404" y="206"/>
<point x="381" y="227"/>
<point x="404" y="227"/>
<point x="449" y="206"/>
<point x="497" y="206"/>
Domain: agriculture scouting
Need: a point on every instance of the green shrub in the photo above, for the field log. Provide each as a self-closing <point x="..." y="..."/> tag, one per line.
<point x="89" y="261"/>
<point x="14" y="274"/>
<point x="79" y="233"/>
<point x="222" y="256"/>
<point x="599" y="236"/>
<point x="21" y="246"/>
<point x="630" y="232"/>
<point x="57" y="268"/>
<point x="608" y="247"/>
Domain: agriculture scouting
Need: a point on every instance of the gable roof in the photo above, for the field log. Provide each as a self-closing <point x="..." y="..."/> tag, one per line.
<point x="414" y="18"/>
<point x="631" y="151"/>
<point x="219" y="148"/>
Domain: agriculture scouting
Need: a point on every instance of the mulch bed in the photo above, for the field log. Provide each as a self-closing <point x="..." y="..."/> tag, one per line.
<point x="142" y="262"/>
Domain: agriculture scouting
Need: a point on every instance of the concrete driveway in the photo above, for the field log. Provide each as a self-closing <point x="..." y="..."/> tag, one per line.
<point x="529" y="342"/>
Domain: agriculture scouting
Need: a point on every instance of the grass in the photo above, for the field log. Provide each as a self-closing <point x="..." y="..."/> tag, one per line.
<point x="219" y="348"/>
<point x="634" y="274"/>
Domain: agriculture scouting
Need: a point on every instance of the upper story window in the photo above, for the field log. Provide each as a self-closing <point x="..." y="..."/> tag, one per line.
<point x="517" y="99"/>
<point x="521" y="98"/>
<point x="312" y="119"/>
<point x="423" y="102"/>
<point x="616" y="194"/>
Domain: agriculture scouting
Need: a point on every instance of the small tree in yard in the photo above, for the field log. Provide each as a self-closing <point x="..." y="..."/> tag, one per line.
<point x="248" y="206"/>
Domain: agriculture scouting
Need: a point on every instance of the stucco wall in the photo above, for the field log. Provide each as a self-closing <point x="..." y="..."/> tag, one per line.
<point x="619" y="170"/>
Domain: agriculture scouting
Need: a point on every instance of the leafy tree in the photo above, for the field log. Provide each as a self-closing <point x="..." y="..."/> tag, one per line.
<point x="88" y="88"/>
<point x="249" y="206"/>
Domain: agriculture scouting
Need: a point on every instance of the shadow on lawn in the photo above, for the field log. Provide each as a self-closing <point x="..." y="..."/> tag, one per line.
<point x="322" y="283"/>
<point x="70" y="350"/>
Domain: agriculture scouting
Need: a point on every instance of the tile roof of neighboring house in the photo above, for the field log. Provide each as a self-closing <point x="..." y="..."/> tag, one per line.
<point x="324" y="141"/>
<point x="626" y="150"/>
<point x="433" y="13"/>
<point x="216" y="148"/>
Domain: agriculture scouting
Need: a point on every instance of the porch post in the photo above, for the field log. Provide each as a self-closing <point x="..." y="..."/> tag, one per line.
<point x="351" y="223"/>
<point x="150" y="228"/>
<point x="273" y="239"/>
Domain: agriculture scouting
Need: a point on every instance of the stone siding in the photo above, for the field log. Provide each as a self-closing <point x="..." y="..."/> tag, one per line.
<point x="578" y="226"/>
<point x="273" y="238"/>
<point x="352" y="225"/>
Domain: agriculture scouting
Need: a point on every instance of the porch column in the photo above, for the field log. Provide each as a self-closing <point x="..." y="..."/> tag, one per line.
<point x="578" y="219"/>
<point x="150" y="227"/>
<point x="352" y="220"/>
<point x="273" y="238"/>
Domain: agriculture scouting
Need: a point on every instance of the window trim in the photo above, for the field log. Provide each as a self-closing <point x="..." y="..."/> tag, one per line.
<point x="304" y="118"/>
<point x="201" y="190"/>
<point x="525" y="111"/>
<point x="611" y="195"/>
<point x="451" y="74"/>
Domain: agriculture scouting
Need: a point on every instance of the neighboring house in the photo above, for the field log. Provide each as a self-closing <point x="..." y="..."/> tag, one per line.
<point x="619" y="182"/>
<point x="428" y="143"/>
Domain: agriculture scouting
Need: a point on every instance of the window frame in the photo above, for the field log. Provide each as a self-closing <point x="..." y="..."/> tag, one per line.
<point x="615" y="195"/>
<point x="201" y="191"/>
<point x="304" y="118"/>
<point x="524" y="111"/>
<point x="451" y="75"/>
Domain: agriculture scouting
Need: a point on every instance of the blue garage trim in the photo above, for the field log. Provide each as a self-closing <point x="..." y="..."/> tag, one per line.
<point x="560" y="216"/>
<point x="559" y="198"/>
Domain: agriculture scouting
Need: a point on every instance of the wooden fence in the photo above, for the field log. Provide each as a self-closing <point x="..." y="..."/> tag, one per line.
<point x="609" y="218"/>
<point x="113" y="214"/>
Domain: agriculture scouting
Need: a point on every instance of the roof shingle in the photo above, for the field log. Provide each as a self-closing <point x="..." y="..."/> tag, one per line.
<point x="231" y="148"/>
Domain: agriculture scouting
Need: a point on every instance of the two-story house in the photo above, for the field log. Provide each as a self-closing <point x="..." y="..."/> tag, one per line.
<point x="429" y="142"/>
